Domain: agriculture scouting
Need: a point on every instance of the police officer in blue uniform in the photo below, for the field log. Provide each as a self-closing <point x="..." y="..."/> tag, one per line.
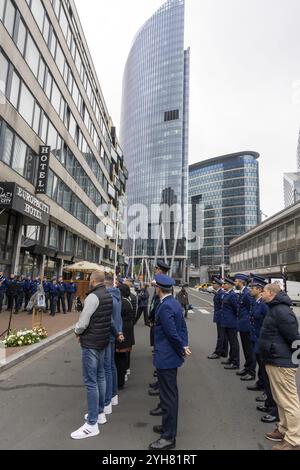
<point x="229" y="322"/>
<point x="27" y="287"/>
<point x="170" y="349"/>
<point x="245" y="301"/>
<point x="71" y="288"/>
<point x="53" y="295"/>
<point x="160" y="268"/>
<point x="3" y="287"/>
<point x="61" y="287"/>
<point x="221" y="349"/>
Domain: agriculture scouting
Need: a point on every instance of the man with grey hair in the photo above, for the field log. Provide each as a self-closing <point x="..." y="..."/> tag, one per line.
<point x="277" y="344"/>
<point x="93" y="330"/>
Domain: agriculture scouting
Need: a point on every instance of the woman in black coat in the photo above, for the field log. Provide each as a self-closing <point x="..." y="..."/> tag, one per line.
<point x="123" y="349"/>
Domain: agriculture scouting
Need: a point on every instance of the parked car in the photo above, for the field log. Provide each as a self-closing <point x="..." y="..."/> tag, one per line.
<point x="205" y="286"/>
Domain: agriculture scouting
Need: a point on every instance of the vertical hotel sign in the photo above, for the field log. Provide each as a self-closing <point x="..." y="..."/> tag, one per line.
<point x="43" y="168"/>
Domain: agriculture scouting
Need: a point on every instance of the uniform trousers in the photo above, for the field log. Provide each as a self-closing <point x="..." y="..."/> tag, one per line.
<point x="222" y="342"/>
<point x="250" y="360"/>
<point x="234" y="353"/>
<point x="167" y="381"/>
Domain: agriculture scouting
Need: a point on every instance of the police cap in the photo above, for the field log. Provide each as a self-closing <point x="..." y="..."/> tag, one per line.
<point x="163" y="281"/>
<point x="241" y="277"/>
<point x="163" y="266"/>
<point x="227" y="280"/>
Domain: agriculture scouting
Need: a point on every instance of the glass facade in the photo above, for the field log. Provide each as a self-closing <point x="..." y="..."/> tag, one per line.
<point x="154" y="121"/>
<point x="228" y="189"/>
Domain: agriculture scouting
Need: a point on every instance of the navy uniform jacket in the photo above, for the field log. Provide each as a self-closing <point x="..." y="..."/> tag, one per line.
<point x="53" y="290"/>
<point x="170" y="335"/>
<point x="71" y="288"/>
<point x="257" y="315"/>
<point x="229" y="310"/>
<point x="245" y="301"/>
<point x="61" y="288"/>
<point x="34" y="286"/>
<point x="3" y="284"/>
<point x="27" y="285"/>
<point x="46" y="287"/>
<point x="218" y="300"/>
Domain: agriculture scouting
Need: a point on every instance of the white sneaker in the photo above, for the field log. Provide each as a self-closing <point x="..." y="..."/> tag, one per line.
<point x="101" y="418"/>
<point x="86" y="431"/>
<point x="115" y="400"/>
<point x="128" y="372"/>
<point x="126" y="378"/>
<point x="108" y="409"/>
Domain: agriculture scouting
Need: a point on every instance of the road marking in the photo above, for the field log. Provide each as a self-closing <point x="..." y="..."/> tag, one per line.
<point x="204" y="312"/>
<point x="201" y="299"/>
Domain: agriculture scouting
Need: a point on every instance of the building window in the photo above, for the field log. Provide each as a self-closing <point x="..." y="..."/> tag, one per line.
<point x="21" y="39"/>
<point x="32" y="56"/>
<point x="9" y="19"/>
<point x="8" y="141"/>
<point x="19" y="156"/>
<point x="172" y="115"/>
<point x="53" y="236"/>
<point x="26" y="104"/>
<point x="15" y="88"/>
<point x="3" y="73"/>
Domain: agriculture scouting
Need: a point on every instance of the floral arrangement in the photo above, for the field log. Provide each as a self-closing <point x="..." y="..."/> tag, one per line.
<point x="25" y="337"/>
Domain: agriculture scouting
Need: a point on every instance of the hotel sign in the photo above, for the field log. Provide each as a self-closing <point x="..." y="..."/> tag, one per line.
<point x="43" y="168"/>
<point x="13" y="196"/>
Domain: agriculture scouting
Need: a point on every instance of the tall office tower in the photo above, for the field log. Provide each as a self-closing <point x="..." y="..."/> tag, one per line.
<point x="154" y="133"/>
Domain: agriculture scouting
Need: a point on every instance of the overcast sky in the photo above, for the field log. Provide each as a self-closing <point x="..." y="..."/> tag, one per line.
<point x="245" y="76"/>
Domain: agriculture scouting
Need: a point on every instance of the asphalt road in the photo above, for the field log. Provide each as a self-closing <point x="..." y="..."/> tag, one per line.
<point x="43" y="400"/>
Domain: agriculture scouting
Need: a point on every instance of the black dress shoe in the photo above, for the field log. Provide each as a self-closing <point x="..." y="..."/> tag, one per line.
<point x="156" y="412"/>
<point x="153" y="393"/>
<point x="269" y="419"/>
<point x="231" y="367"/>
<point x="262" y="408"/>
<point x="226" y="363"/>
<point x="247" y="378"/>
<point x="255" y="388"/>
<point x="213" y="356"/>
<point x="163" y="444"/>
<point x="261" y="398"/>
<point x="154" y="385"/>
<point x="158" y="429"/>
<point x="241" y="373"/>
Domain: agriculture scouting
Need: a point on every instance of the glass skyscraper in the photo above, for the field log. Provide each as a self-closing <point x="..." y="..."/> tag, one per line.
<point x="228" y="189"/>
<point x="154" y="126"/>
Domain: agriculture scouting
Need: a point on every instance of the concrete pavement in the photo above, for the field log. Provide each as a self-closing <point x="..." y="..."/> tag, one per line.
<point x="42" y="400"/>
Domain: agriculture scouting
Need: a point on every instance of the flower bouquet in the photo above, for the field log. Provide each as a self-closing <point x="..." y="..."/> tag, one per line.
<point x="24" y="337"/>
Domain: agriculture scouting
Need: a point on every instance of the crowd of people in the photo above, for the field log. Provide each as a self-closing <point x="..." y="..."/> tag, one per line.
<point x="17" y="290"/>
<point x="105" y="331"/>
<point x="261" y="314"/>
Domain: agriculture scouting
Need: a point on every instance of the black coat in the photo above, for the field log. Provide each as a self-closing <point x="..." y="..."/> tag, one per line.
<point x="279" y="331"/>
<point x="128" y="321"/>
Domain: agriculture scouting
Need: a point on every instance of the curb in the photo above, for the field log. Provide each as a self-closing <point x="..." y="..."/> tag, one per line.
<point x="22" y="356"/>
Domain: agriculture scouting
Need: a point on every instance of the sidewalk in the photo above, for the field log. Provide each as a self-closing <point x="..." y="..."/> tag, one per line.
<point x="54" y="325"/>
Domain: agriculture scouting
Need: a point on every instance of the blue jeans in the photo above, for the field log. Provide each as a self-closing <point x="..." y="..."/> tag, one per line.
<point x="94" y="380"/>
<point x="111" y="375"/>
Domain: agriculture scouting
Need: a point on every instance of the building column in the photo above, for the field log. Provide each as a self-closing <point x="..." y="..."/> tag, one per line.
<point x="17" y="246"/>
<point x="44" y="235"/>
<point x="61" y="267"/>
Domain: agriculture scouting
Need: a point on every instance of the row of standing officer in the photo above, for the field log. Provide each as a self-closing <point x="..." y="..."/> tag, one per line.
<point x="19" y="289"/>
<point x="243" y="311"/>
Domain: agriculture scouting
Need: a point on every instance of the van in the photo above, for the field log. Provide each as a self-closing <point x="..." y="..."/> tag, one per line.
<point x="293" y="291"/>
